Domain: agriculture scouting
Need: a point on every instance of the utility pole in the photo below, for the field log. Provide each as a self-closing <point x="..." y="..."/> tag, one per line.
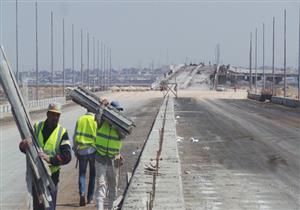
<point x="36" y="54"/>
<point x="264" y="75"/>
<point x="73" y="68"/>
<point x="52" y="71"/>
<point x="88" y="60"/>
<point x="17" y="45"/>
<point x="63" y="57"/>
<point x="81" y="57"/>
<point x="255" y="60"/>
<point x="284" y="59"/>
<point x="273" y="59"/>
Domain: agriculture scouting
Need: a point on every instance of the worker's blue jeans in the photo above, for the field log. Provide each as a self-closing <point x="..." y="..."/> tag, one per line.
<point x="84" y="160"/>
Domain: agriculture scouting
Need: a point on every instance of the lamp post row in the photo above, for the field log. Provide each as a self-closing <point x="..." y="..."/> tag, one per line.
<point x="103" y="73"/>
<point x="273" y="59"/>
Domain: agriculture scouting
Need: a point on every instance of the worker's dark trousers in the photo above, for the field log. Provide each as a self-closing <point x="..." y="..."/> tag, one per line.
<point x="37" y="205"/>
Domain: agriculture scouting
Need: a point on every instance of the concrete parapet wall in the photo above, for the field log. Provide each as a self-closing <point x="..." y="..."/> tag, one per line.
<point x="276" y="100"/>
<point x="168" y="194"/>
<point x="286" y="101"/>
<point x="34" y="105"/>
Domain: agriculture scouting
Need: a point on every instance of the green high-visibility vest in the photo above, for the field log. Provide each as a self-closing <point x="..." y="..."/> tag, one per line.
<point x="108" y="142"/>
<point x="85" y="131"/>
<point x="52" y="145"/>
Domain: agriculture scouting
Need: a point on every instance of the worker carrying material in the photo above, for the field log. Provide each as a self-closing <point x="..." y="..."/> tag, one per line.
<point x="38" y="175"/>
<point x="108" y="159"/>
<point x="112" y="127"/>
<point x="84" y="149"/>
<point x="55" y="149"/>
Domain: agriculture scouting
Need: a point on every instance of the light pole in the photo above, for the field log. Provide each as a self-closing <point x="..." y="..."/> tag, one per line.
<point x="73" y="68"/>
<point x="81" y="57"/>
<point x="255" y="60"/>
<point x="273" y="59"/>
<point x="17" y="45"/>
<point x="250" y="62"/>
<point x="264" y="75"/>
<point x="36" y="54"/>
<point x="63" y="57"/>
<point x="284" y="59"/>
<point x="52" y="71"/>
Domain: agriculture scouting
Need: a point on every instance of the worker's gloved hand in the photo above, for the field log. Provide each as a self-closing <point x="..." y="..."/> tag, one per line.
<point x="24" y="144"/>
<point x="44" y="156"/>
<point x="119" y="160"/>
<point x="104" y="102"/>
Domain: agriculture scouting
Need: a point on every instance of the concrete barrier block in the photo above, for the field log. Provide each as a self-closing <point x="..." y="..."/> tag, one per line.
<point x="294" y="103"/>
<point x="254" y="96"/>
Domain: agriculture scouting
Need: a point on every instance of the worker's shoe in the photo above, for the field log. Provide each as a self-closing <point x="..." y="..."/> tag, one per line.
<point x="90" y="201"/>
<point x="82" y="200"/>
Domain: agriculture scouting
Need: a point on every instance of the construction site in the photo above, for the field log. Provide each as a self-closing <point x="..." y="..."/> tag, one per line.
<point x="213" y="150"/>
<point x="130" y="105"/>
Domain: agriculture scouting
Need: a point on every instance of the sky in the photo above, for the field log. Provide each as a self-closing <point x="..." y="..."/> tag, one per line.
<point x="140" y="33"/>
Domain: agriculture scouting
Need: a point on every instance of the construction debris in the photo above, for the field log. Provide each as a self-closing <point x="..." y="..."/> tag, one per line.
<point x="38" y="172"/>
<point x="180" y="138"/>
<point x="192" y="139"/>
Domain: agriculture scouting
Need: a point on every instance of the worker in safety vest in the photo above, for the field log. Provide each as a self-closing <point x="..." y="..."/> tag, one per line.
<point x="84" y="148"/>
<point x="108" y="160"/>
<point x="56" y="148"/>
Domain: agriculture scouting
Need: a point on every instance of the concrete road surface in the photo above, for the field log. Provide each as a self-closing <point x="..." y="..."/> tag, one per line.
<point x="238" y="154"/>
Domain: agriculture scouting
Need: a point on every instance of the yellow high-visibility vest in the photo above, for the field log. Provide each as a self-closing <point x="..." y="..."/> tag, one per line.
<point x="108" y="142"/>
<point x="85" y="131"/>
<point x="52" y="145"/>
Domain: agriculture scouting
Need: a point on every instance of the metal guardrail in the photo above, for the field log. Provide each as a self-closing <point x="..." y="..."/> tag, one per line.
<point x="35" y="104"/>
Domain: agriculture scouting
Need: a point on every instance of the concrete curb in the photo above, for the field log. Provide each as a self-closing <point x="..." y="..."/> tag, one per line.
<point x="169" y="193"/>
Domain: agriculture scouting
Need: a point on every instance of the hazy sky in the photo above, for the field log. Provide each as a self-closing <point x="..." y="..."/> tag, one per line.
<point x="139" y="32"/>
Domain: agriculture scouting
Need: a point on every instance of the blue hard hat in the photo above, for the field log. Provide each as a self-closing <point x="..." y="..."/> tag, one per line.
<point x="116" y="104"/>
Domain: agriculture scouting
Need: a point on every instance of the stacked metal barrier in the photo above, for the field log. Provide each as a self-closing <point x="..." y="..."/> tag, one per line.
<point x="92" y="102"/>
